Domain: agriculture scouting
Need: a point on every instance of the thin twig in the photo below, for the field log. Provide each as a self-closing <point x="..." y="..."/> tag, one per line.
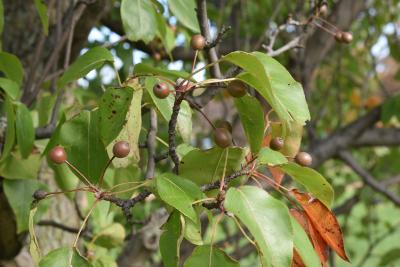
<point x="172" y="130"/>
<point x="219" y="37"/>
<point x="368" y="178"/>
<point x="63" y="227"/>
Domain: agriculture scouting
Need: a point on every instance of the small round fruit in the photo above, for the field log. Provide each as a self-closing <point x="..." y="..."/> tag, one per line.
<point x="222" y="137"/>
<point x="161" y="90"/>
<point x="198" y="42"/>
<point x="323" y="9"/>
<point x="224" y="124"/>
<point x="121" y="149"/>
<point x="303" y="159"/>
<point x="58" y="155"/>
<point x="236" y="88"/>
<point x="157" y="56"/>
<point x="338" y="36"/>
<point x="39" y="194"/>
<point x="276" y="143"/>
<point x="347" y="37"/>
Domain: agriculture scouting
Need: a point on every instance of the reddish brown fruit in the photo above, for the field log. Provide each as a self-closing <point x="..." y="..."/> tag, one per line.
<point x="198" y="42"/>
<point x="236" y="88"/>
<point x="161" y="90"/>
<point x="347" y="37"/>
<point x="39" y="194"/>
<point x="58" y="155"/>
<point x="222" y="137"/>
<point x="224" y="124"/>
<point x="276" y="143"/>
<point x="338" y="36"/>
<point x="121" y="149"/>
<point x="303" y="159"/>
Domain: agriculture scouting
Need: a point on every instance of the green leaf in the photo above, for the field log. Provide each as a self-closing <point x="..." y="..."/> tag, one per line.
<point x="303" y="245"/>
<point x="114" y="105"/>
<point x="92" y="59"/>
<point x="10" y="131"/>
<point x="45" y="107"/>
<point x="183" y="149"/>
<point x="171" y="191"/>
<point x="10" y="87"/>
<point x="292" y="138"/>
<point x="209" y="256"/>
<point x="142" y="68"/>
<point x="184" y="11"/>
<point x="11" y="67"/>
<point x="81" y="139"/>
<point x="171" y="239"/>
<point x="131" y="131"/>
<point x="285" y="89"/>
<point x="15" y="167"/>
<point x="131" y="173"/>
<point x="274" y="83"/>
<point x="64" y="257"/>
<point x="164" y="106"/>
<point x="314" y="182"/>
<point x="267" y="220"/>
<point x="139" y="20"/>
<point x="206" y="166"/>
<point x="111" y="236"/>
<point x="55" y="137"/>
<point x="389" y="257"/>
<point x="184" y="121"/>
<point x="165" y="33"/>
<point x="19" y="195"/>
<point x="252" y="117"/>
<point x="34" y="248"/>
<point x="64" y="177"/>
<point x="192" y="231"/>
<point x="270" y="157"/>
<point x="24" y="130"/>
<point x="44" y="18"/>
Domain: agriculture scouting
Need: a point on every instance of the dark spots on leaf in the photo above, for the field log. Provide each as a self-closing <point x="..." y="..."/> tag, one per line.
<point x="114" y="111"/>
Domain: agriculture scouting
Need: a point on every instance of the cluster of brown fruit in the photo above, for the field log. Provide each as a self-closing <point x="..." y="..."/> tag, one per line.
<point x="302" y="158"/>
<point x="161" y="89"/>
<point x="58" y="154"/>
<point x="343" y="37"/>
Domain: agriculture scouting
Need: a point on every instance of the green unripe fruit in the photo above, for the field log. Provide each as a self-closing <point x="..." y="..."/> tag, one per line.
<point x="236" y="88"/>
<point x="222" y="137"/>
